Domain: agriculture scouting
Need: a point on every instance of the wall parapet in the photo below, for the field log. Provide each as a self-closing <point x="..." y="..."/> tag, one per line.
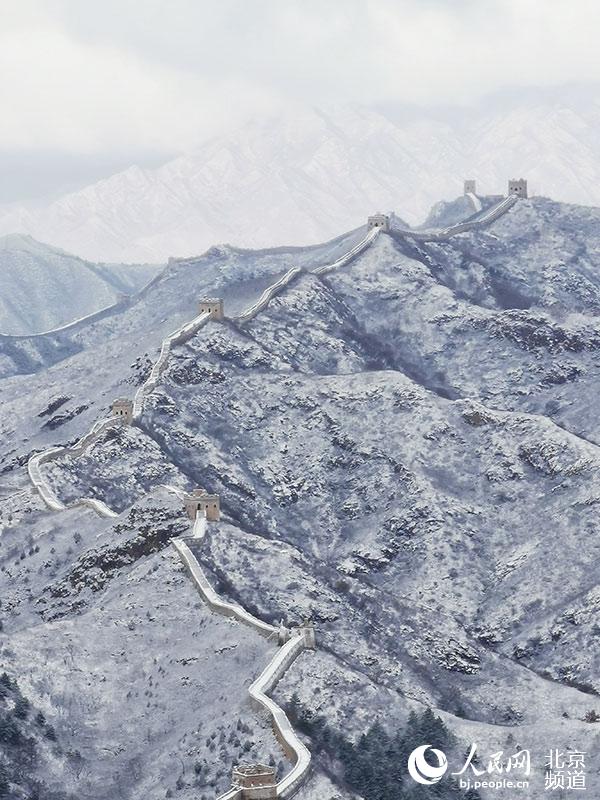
<point x="268" y="294"/>
<point x="42" y="485"/>
<point x="259" y="689"/>
<point x="179" y="336"/>
<point x="214" y="601"/>
<point x="292" y="643"/>
<point x="491" y="215"/>
<point x="351" y="254"/>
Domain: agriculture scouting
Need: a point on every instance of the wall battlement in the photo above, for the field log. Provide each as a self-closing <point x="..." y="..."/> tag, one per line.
<point x="517" y="187"/>
<point x="381" y="221"/>
<point x="122" y="408"/>
<point x="201" y="502"/>
<point x="293" y="643"/>
<point x="212" y="306"/>
<point x="257" y="781"/>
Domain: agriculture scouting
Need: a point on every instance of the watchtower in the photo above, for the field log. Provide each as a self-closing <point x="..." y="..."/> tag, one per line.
<point x="212" y="306"/>
<point x="201" y="501"/>
<point x="308" y="630"/>
<point x="283" y="634"/>
<point x="381" y="221"/>
<point x="123" y="409"/>
<point x="470" y="187"/>
<point x="257" y="781"/>
<point x="517" y="187"/>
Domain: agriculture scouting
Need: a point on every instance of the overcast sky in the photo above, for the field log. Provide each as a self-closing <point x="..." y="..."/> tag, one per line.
<point x="90" y="86"/>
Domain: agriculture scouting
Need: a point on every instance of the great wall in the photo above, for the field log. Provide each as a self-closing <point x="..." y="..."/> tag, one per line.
<point x="250" y="782"/>
<point x="122" y="302"/>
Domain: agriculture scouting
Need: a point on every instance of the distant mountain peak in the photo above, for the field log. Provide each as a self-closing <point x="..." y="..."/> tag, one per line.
<point x="301" y="177"/>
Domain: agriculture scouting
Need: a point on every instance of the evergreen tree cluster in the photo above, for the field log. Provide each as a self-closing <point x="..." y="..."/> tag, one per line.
<point x="20" y="733"/>
<point x="375" y="766"/>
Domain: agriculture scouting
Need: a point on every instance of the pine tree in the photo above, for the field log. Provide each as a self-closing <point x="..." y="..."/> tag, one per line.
<point x="4" y="785"/>
<point x="294" y="709"/>
<point x="22" y="706"/>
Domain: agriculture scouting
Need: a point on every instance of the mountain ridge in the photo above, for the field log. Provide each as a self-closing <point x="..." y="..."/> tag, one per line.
<point x="398" y="447"/>
<point x="43" y="287"/>
<point x="301" y="177"/>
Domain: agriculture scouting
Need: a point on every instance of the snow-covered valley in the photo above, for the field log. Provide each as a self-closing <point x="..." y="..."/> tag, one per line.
<point x="407" y="452"/>
<point x="43" y="288"/>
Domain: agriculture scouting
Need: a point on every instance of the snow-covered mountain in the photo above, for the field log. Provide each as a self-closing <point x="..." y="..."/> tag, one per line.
<point x="406" y="451"/>
<point x="304" y="176"/>
<point x="42" y="288"/>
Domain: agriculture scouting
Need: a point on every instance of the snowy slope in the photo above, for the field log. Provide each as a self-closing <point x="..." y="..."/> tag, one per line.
<point x="406" y="449"/>
<point x="42" y="288"/>
<point x="303" y="177"/>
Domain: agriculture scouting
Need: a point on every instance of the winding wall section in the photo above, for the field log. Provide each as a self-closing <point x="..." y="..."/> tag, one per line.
<point x="487" y="218"/>
<point x="259" y="690"/>
<point x="268" y="294"/>
<point x="212" y="599"/>
<point x="179" y="336"/>
<point x="294" y="749"/>
<point x="119" y="305"/>
<point x="42" y="485"/>
<point x="475" y="201"/>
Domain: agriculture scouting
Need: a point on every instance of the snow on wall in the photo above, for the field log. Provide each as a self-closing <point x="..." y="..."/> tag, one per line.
<point x="233" y="794"/>
<point x="491" y="215"/>
<point x="179" y="336"/>
<point x="294" y="749"/>
<point x="475" y="200"/>
<point x="94" y="316"/>
<point x="291" y="274"/>
<point x="212" y="599"/>
<point x="268" y="294"/>
<point x="42" y="486"/>
<point x="347" y="257"/>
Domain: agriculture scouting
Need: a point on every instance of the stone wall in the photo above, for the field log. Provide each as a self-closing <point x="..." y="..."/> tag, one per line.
<point x="517" y="188"/>
<point x="303" y="637"/>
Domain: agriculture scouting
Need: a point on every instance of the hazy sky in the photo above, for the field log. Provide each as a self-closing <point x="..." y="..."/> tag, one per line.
<point x="88" y="87"/>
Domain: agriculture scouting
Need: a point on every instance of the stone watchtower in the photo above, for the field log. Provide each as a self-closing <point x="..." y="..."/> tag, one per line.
<point x="518" y="188"/>
<point x="212" y="306"/>
<point x="307" y="629"/>
<point x="203" y="502"/>
<point x="378" y="221"/>
<point x="257" y="781"/>
<point x="470" y="187"/>
<point x="123" y="409"/>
